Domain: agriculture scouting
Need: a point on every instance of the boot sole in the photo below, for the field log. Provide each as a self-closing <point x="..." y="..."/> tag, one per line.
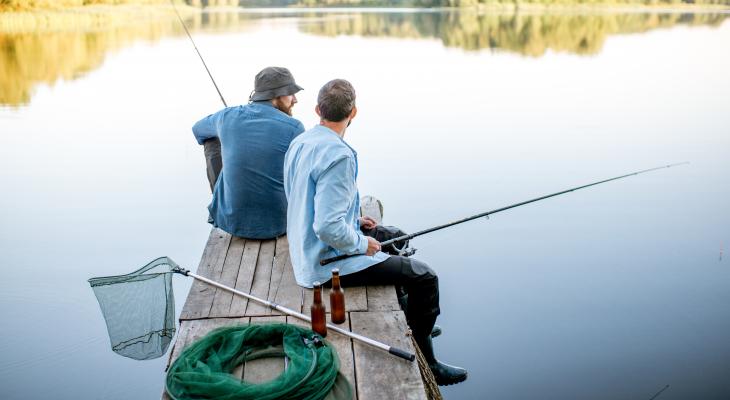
<point x="453" y="382"/>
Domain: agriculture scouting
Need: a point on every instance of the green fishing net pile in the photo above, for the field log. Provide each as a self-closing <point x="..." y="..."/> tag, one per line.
<point x="204" y="369"/>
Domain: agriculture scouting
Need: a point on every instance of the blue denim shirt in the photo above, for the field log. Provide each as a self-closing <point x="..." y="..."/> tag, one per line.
<point x="320" y="173"/>
<point x="248" y="198"/>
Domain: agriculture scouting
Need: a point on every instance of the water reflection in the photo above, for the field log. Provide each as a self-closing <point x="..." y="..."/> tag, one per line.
<point x="527" y="34"/>
<point x="44" y="48"/>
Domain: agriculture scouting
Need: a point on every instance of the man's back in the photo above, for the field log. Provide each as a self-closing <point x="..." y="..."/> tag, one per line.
<point x="320" y="178"/>
<point x="248" y="198"/>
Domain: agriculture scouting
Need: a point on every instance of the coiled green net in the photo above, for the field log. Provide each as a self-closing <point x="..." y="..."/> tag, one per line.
<point x="203" y="370"/>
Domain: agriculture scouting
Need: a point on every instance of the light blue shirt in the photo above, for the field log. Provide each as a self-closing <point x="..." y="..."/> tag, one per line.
<point x="320" y="181"/>
<point x="248" y="197"/>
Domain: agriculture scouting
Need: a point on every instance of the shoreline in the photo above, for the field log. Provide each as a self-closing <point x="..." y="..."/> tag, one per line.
<point x="164" y="6"/>
<point x="103" y="17"/>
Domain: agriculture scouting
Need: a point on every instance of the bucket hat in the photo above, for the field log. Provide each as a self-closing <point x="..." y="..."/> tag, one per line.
<point x="273" y="82"/>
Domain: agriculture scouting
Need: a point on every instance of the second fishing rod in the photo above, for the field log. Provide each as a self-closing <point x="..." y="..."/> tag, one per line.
<point x="403" y="238"/>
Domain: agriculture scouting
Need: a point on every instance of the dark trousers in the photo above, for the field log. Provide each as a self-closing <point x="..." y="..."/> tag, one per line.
<point x="415" y="278"/>
<point x="213" y="161"/>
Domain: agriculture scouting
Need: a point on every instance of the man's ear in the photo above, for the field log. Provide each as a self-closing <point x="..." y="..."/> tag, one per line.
<point x="353" y="113"/>
<point x="316" y="109"/>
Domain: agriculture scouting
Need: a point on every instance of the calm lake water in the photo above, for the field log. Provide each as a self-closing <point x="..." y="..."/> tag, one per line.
<point x="614" y="292"/>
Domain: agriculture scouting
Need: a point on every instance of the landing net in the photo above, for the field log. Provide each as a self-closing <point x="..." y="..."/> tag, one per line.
<point x="139" y="309"/>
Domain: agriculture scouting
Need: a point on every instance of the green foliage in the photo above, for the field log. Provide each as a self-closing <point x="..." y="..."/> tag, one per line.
<point x="21" y="5"/>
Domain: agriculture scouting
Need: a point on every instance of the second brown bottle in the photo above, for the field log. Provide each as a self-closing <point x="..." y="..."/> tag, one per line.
<point x="319" y="319"/>
<point x="337" y="299"/>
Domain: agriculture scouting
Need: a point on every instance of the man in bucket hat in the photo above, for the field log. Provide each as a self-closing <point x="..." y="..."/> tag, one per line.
<point x="250" y="141"/>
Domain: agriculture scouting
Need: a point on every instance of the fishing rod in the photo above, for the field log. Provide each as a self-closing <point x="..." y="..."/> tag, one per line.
<point x="198" y="51"/>
<point x="488" y="213"/>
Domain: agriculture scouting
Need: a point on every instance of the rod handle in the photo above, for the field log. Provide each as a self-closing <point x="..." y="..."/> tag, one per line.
<point x="402" y="354"/>
<point x="336" y="258"/>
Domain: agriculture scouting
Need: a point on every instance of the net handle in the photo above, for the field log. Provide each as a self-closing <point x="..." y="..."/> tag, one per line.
<point x="360" y="338"/>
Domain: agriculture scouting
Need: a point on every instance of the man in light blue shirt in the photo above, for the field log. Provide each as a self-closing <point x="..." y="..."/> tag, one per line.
<point x="248" y="196"/>
<point x="320" y="180"/>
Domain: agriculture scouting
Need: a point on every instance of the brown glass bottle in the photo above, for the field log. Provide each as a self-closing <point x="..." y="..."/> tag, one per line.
<point x="337" y="299"/>
<point x="319" y="319"/>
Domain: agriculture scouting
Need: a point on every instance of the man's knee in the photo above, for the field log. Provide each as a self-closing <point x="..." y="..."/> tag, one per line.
<point x="422" y="271"/>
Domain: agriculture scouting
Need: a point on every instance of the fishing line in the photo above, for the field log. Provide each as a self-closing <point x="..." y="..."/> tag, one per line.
<point x="198" y="51"/>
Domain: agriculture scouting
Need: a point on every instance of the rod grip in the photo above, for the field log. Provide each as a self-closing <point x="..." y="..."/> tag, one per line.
<point x="402" y="354"/>
<point x="336" y="258"/>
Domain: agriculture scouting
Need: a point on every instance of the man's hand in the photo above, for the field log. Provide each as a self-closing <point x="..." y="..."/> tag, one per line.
<point x="367" y="222"/>
<point x="373" y="246"/>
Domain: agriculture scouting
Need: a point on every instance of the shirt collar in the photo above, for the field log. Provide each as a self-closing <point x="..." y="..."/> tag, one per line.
<point x="331" y="132"/>
<point x="263" y="103"/>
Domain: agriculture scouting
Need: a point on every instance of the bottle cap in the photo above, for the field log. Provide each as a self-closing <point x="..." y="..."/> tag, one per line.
<point x="335" y="271"/>
<point x="317" y="284"/>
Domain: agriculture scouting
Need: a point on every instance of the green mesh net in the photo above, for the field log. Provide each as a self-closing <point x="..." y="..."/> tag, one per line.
<point x="204" y="369"/>
<point x="139" y="309"/>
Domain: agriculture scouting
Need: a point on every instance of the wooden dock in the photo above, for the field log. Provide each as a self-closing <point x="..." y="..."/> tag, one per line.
<point x="263" y="268"/>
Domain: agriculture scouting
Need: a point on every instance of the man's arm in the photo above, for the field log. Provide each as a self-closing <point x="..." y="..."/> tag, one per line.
<point x="335" y="190"/>
<point x="206" y="128"/>
<point x="206" y="133"/>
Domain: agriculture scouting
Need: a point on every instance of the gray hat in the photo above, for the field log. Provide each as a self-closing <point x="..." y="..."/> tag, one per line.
<point x="273" y="82"/>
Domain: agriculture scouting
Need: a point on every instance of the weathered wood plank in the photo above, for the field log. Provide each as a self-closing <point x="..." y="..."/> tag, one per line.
<point x="281" y="258"/>
<point x="200" y="297"/>
<point x="341" y="343"/>
<point x="289" y="294"/>
<point x="264" y="369"/>
<point x="222" y="300"/>
<point x="355" y="298"/>
<point x="382" y="298"/>
<point x="245" y="277"/>
<point x="379" y="374"/>
<point x="262" y="279"/>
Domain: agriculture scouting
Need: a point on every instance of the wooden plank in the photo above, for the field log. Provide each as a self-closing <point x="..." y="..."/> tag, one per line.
<point x="355" y="298"/>
<point x="341" y="343"/>
<point x="264" y="369"/>
<point x="379" y="374"/>
<point x="245" y="277"/>
<point x="281" y="258"/>
<point x="200" y="297"/>
<point x="262" y="279"/>
<point x="289" y="294"/>
<point x="382" y="298"/>
<point x="222" y="300"/>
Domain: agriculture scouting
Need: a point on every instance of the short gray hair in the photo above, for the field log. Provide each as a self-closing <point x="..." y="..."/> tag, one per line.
<point x="336" y="100"/>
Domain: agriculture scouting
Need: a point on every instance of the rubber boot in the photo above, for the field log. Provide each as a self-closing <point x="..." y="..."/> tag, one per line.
<point x="445" y="374"/>
<point x="403" y="302"/>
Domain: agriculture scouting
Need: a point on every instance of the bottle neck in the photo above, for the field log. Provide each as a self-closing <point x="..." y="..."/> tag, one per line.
<point x="317" y="294"/>
<point x="335" y="281"/>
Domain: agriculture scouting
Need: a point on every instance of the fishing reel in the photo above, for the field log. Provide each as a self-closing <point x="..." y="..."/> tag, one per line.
<point x="383" y="233"/>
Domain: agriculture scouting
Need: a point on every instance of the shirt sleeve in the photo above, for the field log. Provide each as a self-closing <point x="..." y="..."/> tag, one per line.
<point x="333" y="196"/>
<point x="206" y="128"/>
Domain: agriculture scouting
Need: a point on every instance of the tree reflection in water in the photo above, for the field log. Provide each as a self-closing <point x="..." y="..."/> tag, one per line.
<point x="42" y="48"/>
